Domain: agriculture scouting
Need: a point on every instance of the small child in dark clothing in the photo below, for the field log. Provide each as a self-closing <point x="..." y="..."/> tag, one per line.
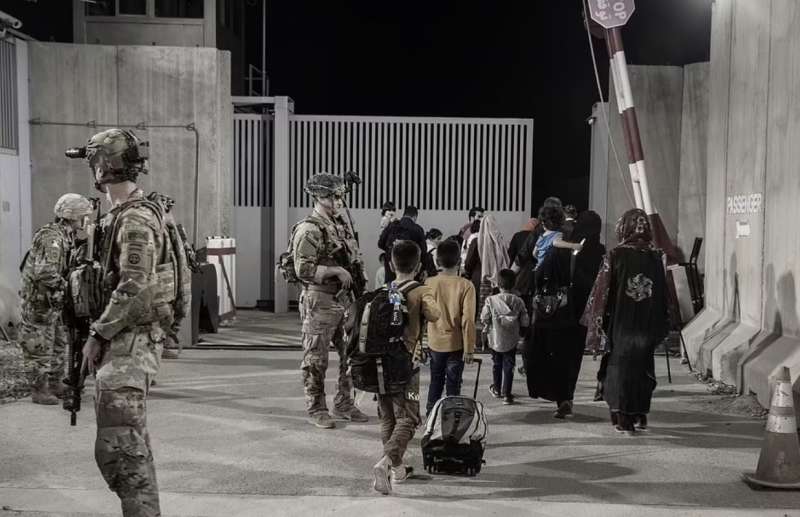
<point x="502" y="316"/>
<point x="399" y="412"/>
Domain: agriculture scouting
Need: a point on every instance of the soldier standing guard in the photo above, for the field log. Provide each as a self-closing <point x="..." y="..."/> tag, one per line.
<point x="325" y="256"/>
<point x="44" y="283"/>
<point x="140" y="264"/>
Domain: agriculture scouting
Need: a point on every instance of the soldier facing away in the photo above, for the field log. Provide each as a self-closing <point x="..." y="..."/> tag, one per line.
<point x="44" y="284"/>
<point x="324" y="251"/>
<point x="140" y="292"/>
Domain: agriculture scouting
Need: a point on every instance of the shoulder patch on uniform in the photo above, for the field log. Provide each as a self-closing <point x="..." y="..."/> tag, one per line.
<point x="136" y="235"/>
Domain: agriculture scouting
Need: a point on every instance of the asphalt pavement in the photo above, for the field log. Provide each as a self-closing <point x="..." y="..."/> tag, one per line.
<point x="230" y="437"/>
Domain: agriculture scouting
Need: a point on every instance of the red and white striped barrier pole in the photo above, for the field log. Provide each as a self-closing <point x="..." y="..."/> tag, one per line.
<point x="633" y="141"/>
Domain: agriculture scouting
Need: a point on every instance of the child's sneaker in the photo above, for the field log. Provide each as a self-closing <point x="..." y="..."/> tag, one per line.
<point x="381" y="476"/>
<point x="494" y="391"/>
<point x="508" y="399"/>
<point x="401" y="473"/>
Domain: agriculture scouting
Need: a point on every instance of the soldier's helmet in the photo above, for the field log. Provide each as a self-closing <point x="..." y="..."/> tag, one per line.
<point x="325" y="185"/>
<point x="73" y="207"/>
<point x="120" y="155"/>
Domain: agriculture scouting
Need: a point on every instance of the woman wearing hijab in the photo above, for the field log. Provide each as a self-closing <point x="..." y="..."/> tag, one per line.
<point x="554" y="354"/>
<point x="627" y="317"/>
<point x="585" y="266"/>
<point x="486" y="257"/>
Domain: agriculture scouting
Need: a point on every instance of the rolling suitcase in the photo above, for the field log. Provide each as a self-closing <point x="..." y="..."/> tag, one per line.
<point x="455" y="434"/>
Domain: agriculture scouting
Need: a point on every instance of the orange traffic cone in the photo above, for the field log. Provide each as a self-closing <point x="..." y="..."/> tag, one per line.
<point x="779" y="462"/>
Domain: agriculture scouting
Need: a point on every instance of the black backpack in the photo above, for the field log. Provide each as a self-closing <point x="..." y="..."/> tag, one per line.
<point x="377" y="355"/>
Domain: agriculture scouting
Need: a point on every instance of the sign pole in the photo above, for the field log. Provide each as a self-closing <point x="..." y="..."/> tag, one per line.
<point x="612" y="15"/>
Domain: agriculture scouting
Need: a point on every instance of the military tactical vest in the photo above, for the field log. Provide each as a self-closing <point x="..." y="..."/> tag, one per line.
<point x="334" y="251"/>
<point x="173" y="283"/>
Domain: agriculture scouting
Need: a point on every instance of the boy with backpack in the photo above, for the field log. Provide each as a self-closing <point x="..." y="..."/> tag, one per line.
<point x="452" y="337"/>
<point x="398" y="412"/>
<point x="502" y="316"/>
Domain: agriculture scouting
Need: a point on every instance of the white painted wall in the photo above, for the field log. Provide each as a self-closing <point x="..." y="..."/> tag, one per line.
<point x="15" y="187"/>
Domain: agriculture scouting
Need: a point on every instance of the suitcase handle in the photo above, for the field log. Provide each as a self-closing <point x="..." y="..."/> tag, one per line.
<point x="477" y="376"/>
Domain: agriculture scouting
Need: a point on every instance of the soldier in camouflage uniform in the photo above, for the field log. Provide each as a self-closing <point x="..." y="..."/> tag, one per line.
<point x="321" y="243"/>
<point x="125" y="343"/>
<point x="44" y="336"/>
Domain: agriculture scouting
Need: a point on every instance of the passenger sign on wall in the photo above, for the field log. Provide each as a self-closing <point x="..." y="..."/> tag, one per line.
<point x="611" y="13"/>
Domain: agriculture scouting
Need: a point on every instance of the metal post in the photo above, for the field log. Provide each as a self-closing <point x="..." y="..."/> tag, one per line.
<point x="264" y="91"/>
<point x="281" y="197"/>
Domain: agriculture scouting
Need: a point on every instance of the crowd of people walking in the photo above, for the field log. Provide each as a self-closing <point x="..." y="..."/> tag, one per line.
<point x="551" y="294"/>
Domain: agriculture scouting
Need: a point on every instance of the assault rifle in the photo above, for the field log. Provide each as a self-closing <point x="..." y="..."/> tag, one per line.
<point x="354" y="267"/>
<point x="79" y="312"/>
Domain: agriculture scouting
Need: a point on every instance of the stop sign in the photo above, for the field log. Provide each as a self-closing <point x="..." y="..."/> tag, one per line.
<point x="611" y="13"/>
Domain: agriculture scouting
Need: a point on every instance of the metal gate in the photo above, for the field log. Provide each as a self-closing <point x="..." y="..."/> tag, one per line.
<point x="443" y="166"/>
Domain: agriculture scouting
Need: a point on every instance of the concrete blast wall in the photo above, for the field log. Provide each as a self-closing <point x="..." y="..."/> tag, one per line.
<point x="671" y="106"/>
<point x="127" y="86"/>
<point x="751" y="325"/>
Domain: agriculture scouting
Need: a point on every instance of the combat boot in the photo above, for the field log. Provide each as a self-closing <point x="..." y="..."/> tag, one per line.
<point x="57" y="388"/>
<point x="169" y="353"/>
<point x="41" y="394"/>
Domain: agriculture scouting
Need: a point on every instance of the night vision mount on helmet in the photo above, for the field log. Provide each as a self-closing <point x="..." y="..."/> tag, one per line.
<point x="119" y="154"/>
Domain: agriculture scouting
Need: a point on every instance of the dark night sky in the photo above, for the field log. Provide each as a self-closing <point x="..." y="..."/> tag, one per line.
<point x="456" y="58"/>
<point x="511" y="58"/>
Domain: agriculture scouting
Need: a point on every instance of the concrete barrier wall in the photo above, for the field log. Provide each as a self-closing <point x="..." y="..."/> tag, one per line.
<point x="658" y="95"/>
<point x="693" y="163"/>
<point x="714" y="322"/>
<point x="599" y="166"/>
<point x="129" y="85"/>
<point x="751" y="325"/>
<point x="778" y="344"/>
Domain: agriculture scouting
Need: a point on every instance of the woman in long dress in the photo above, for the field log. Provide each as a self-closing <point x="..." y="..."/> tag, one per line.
<point x="553" y="359"/>
<point x="627" y="317"/>
<point x="487" y="256"/>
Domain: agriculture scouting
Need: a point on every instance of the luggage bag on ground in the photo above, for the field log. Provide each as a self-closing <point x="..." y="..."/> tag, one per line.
<point x="455" y="434"/>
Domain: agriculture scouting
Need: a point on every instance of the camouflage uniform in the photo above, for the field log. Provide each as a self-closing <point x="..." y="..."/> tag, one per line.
<point x="133" y="325"/>
<point x="141" y="272"/>
<point x="316" y="240"/>
<point x="44" y="336"/>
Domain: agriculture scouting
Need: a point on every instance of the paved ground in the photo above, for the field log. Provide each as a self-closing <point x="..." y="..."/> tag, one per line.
<point x="231" y="438"/>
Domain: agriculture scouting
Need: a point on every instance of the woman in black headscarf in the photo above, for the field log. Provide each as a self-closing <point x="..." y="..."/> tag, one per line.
<point x="556" y="352"/>
<point x="626" y="316"/>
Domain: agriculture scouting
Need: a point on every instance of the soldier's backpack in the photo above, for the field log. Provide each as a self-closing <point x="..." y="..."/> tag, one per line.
<point x="378" y="359"/>
<point x="285" y="262"/>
